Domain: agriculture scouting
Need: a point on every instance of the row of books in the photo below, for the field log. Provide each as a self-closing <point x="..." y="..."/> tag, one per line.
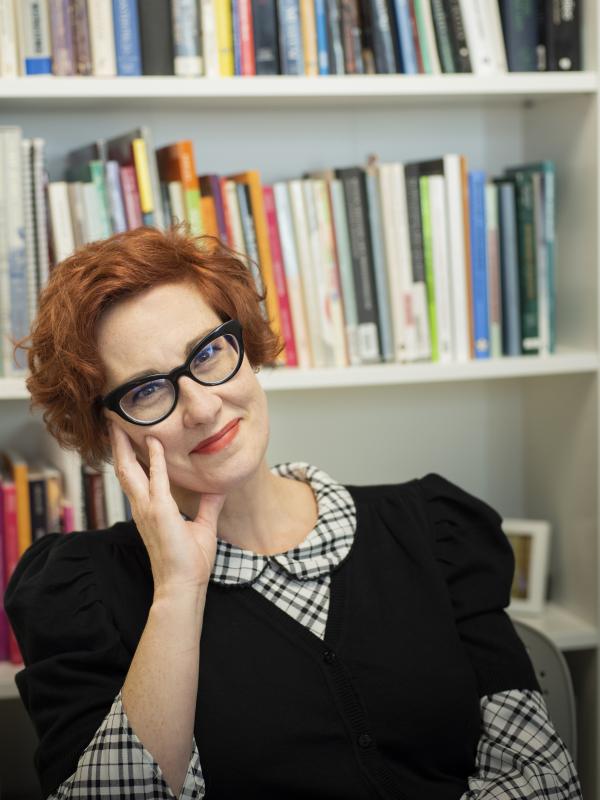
<point x="221" y="38"/>
<point x="33" y="504"/>
<point x="384" y="262"/>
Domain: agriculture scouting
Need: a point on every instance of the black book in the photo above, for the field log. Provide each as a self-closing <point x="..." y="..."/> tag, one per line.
<point x="563" y="35"/>
<point x="520" y="30"/>
<point x="378" y="35"/>
<point x="335" y="50"/>
<point x="266" y="47"/>
<point x="442" y="36"/>
<point x="357" y="211"/>
<point x="156" y="37"/>
<point x="458" y="38"/>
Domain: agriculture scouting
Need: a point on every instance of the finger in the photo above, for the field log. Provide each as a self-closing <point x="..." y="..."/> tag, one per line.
<point x="160" y="488"/>
<point x="209" y="510"/>
<point x="128" y="470"/>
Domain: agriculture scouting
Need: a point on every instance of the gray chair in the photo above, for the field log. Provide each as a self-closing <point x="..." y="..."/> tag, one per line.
<point x="553" y="675"/>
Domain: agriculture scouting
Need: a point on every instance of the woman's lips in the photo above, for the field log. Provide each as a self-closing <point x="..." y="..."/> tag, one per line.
<point x="220" y="440"/>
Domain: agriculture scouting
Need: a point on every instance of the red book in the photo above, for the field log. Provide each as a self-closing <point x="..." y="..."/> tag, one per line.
<point x="131" y="197"/>
<point x="10" y="541"/>
<point x="285" y="313"/>
<point x="246" y="37"/>
<point x="226" y="211"/>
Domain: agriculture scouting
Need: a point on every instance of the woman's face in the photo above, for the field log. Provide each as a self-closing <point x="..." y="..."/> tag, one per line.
<point x="149" y="333"/>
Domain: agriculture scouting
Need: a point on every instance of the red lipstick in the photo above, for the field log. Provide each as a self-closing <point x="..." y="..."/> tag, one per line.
<point x="220" y="440"/>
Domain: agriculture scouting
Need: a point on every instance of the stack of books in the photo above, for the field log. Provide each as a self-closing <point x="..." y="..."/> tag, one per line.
<point x="392" y="262"/>
<point x="222" y="38"/>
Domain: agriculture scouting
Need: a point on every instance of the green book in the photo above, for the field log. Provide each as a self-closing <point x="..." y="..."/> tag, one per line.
<point x="93" y="172"/>
<point x="428" y="263"/>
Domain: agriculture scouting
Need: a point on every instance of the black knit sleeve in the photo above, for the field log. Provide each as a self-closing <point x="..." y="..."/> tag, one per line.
<point x="477" y="564"/>
<point x="75" y="662"/>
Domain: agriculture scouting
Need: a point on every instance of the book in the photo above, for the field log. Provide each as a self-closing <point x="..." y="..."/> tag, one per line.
<point x="351" y="38"/>
<point x="176" y="163"/>
<point x="9" y="541"/>
<point x="335" y="49"/>
<point x="224" y="37"/>
<point x="251" y="247"/>
<point x="37" y="501"/>
<point x="443" y="36"/>
<point x="380" y="267"/>
<point x="27" y="193"/>
<point x="406" y="44"/>
<point x="210" y="49"/>
<point x="131" y="196"/>
<point x="458" y="38"/>
<point x="102" y="38"/>
<point x="40" y="180"/>
<point x="187" y="43"/>
<point x="93" y="491"/>
<point x="127" y="149"/>
<point x="426" y="36"/>
<point x="156" y="37"/>
<point x="237" y="231"/>
<point x="16" y="467"/>
<point x="114" y="194"/>
<point x="520" y="29"/>
<point x="88" y="164"/>
<point x="251" y="179"/>
<point x="9" y="56"/>
<point x="291" y="48"/>
<point x="210" y="186"/>
<point x="127" y="37"/>
<point x="509" y="266"/>
<point x="563" y="34"/>
<point x="296" y="296"/>
<point x="61" y="37"/>
<point x="483" y="31"/>
<point x="4" y="626"/>
<point x="322" y="37"/>
<point x="285" y="313"/>
<point x="355" y="195"/>
<point x="266" y="37"/>
<point x="246" y="34"/>
<point x="481" y="326"/>
<point x="308" y="25"/>
<point x="81" y="38"/>
<point x="114" y="498"/>
<point x="440" y="257"/>
<point x="34" y="37"/>
<point x="493" y="261"/>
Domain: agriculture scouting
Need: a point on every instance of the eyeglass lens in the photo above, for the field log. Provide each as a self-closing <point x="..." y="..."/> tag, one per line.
<point x="215" y="363"/>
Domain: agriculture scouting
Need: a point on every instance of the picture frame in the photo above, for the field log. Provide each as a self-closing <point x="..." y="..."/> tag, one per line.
<point x="530" y="540"/>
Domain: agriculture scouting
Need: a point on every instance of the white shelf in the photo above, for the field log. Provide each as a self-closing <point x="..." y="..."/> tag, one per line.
<point x="566" y="630"/>
<point x="282" y="379"/>
<point x="280" y="89"/>
<point x="8" y="688"/>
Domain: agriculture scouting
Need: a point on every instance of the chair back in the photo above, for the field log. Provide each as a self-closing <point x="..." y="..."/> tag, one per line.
<point x="553" y="675"/>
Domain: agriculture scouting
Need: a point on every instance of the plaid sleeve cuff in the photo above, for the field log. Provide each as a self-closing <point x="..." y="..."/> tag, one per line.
<point x="519" y="753"/>
<point x="116" y="765"/>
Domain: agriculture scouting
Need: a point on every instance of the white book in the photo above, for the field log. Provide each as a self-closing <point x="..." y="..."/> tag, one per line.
<point x="9" y="53"/>
<point x="459" y="286"/>
<point x="291" y="266"/>
<point x="176" y="201"/>
<point x="210" y="49"/>
<point x="77" y="209"/>
<point x="35" y="46"/>
<point x="94" y="229"/>
<point x="541" y="254"/>
<point x="186" y="38"/>
<point x="331" y="275"/>
<point x="441" y="265"/>
<point x="325" y="356"/>
<point x="344" y="257"/>
<point x="29" y="224"/>
<point x="309" y="290"/>
<point x="15" y="281"/>
<point x="60" y="220"/>
<point x="102" y="38"/>
<point x="41" y="217"/>
<point x="237" y="229"/>
<point x="436" y="67"/>
<point x="114" y="499"/>
<point x="395" y="288"/>
<point x="481" y="21"/>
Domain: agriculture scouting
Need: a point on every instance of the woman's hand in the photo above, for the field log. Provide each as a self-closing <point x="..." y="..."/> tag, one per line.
<point x="181" y="553"/>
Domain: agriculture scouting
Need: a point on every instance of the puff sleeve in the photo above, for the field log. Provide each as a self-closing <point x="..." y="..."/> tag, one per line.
<point x="75" y="661"/>
<point x="477" y="564"/>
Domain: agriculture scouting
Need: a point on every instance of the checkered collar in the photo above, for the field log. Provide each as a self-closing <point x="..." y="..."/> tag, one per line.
<point x="325" y="547"/>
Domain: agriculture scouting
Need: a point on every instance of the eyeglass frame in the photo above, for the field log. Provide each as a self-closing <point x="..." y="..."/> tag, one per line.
<point x="112" y="399"/>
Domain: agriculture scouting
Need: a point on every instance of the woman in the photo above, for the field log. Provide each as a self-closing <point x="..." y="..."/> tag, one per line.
<point x="252" y="633"/>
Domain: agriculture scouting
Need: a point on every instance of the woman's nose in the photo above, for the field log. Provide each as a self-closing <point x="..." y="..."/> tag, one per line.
<point x="199" y="403"/>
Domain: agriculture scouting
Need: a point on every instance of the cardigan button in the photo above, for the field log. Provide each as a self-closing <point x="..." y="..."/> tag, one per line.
<point x="329" y="657"/>
<point x="364" y="740"/>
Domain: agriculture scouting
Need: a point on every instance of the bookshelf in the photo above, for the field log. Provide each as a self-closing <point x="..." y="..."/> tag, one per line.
<point x="524" y="434"/>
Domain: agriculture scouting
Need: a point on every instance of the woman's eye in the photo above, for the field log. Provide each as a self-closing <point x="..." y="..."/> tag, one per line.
<point x="207" y="354"/>
<point x="144" y="392"/>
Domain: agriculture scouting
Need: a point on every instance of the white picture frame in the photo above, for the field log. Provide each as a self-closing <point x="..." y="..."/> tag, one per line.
<point x="530" y="540"/>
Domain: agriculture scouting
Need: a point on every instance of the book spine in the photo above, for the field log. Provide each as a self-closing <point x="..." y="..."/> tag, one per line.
<point x="102" y="38"/>
<point x="541" y="252"/>
<point x="53" y="494"/>
<point x="390" y="221"/>
<point x="441" y="265"/>
<point x="81" y="37"/>
<point x="186" y="38"/>
<point x="425" y="210"/>
<point x="479" y="263"/>
<point x="563" y="34"/>
<point x="309" y="37"/>
<point x="493" y="258"/>
<point x="127" y="37"/>
<point x="10" y="540"/>
<point x="431" y="60"/>
<point x="156" y="37"/>
<point x="520" y="28"/>
<point x="41" y="214"/>
<point x="224" y="37"/>
<point x="36" y="47"/>
<point x="131" y="197"/>
<point x="237" y="232"/>
<point x="321" y="32"/>
<point x="334" y="38"/>
<point x="528" y="290"/>
<point x="344" y="258"/>
<point x="266" y="47"/>
<point x="248" y="65"/>
<point x="442" y="36"/>
<point x="405" y="38"/>
<point x="210" y="47"/>
<point x="477" y="30"/>
<point x="29" y="225"/>
<point x="380" y="267"/>
<point x="98" y="175"/>
<point x="549" y="189"/>
<point x="458" y="38"/>
<point x="67" y="517"/>
<point x="37" y="506"/>
<point x="355" y="197"/>
<point x="237" y="37"/>
<point x="285" y="315"/>
<point x="509" y="265"/>
<point x="9" y="59"/>
<point x="61" y="34"/>
<point x="115" y="197"/>
<point x="4" y="652"/>
<point x="290" y="37"/>
<point x="142" y="171"/>
<point x="250" y="238"/>
<point x="459" y="266"/>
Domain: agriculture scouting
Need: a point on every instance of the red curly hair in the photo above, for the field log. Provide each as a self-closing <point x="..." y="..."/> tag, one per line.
<point x="66" y="373"/>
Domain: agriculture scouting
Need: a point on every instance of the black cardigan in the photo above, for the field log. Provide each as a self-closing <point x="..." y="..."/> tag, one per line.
<point x="387" y="706"/>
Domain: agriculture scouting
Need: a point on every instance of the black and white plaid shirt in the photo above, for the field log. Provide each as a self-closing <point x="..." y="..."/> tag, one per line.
<point x="519" y="755"/>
